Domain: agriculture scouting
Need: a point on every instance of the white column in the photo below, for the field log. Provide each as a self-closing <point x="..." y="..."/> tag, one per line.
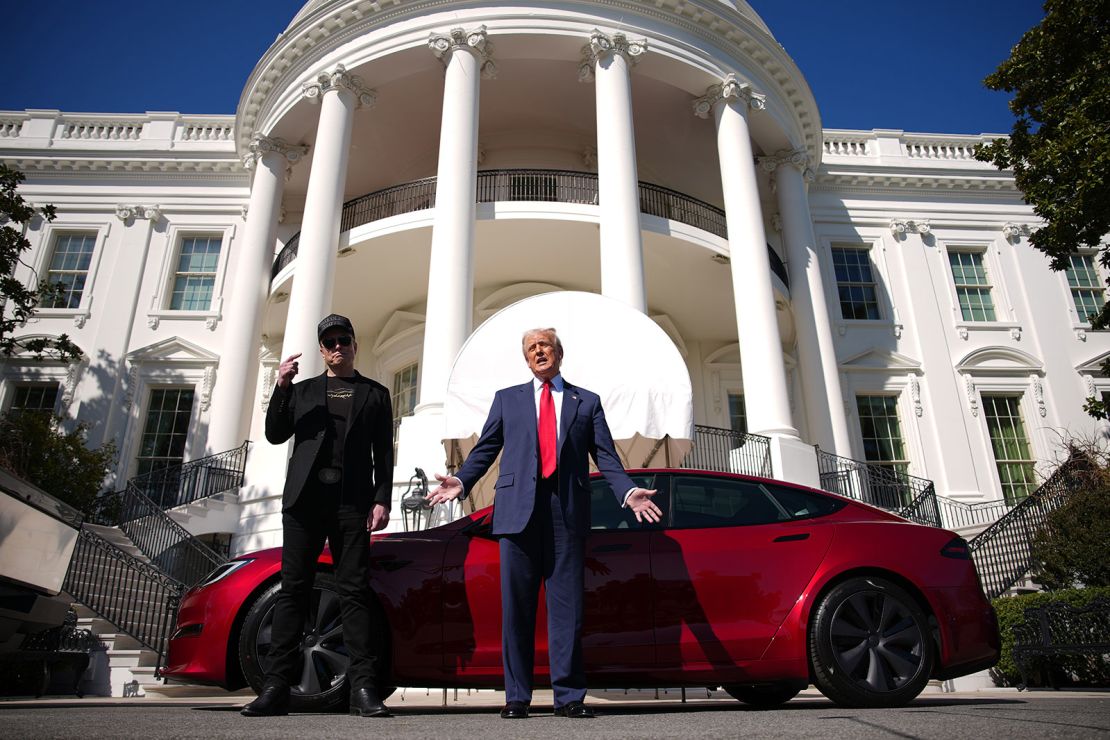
<point x="232" y="396"/>
<point x="761" y="362"/>
<point x="824" y="400"/>
<point x="607" y="60"/>
<point x="339" y="94"/>
<point x="447" y="322"/>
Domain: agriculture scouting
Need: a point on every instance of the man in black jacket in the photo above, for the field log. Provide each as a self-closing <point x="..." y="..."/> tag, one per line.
<point x="338" y="487"/>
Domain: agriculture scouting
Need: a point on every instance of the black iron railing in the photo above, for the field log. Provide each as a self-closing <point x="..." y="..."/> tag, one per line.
<point x="558" y="186"/>
<point x="729" y="452"/>
<point x="135" y="596"/>
<point x="1003" y="552"/>
<point x="957" y="514"/>
<point x="878" y="485"/>
<point x="194" y="480"/>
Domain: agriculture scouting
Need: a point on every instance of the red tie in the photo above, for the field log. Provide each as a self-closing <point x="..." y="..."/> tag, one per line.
<point x="547" y="431"/>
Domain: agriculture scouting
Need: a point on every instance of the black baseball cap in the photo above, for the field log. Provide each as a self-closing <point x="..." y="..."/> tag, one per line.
<point x="334" y="321"/>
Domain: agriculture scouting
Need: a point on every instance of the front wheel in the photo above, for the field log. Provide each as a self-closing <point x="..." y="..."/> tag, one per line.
<point x="765" y="695"/>
<point x="870" y="645"/>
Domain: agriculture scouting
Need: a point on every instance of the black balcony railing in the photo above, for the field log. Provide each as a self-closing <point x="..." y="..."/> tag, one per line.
<point x="197" y="479"/>
<point x="558" y="186"/>
<point x="135" y="596"/>
<point x="729" y="452"/>
<point x="1003" y="552"/>
<point x="886" y="487"/>
<point x="957" y="514"/>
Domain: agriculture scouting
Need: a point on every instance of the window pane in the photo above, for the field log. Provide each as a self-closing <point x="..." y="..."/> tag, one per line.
<point x="1086" y="287"/>
<point x="714" y="502"/>
<point x="166" y="429"/>
<point x="606" y="512"/>
<point x="855" y="283"/>
<point x="195" y="280"/>
<point x="1010" y="446"/>
<point x="737" y="413"/>
<point x="69" y="265"/>
<point x="34" y="397"/>
<point x="973" y="289"/>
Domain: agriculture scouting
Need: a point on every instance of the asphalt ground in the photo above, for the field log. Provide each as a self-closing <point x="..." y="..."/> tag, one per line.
<point x="422" y="714"/>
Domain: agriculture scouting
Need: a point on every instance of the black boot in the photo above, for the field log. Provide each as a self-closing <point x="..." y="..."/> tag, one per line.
<point x="272" y="701"/>
<point x="365" y="703"/>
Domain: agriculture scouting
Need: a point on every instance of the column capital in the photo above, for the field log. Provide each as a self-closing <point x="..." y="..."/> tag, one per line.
<point x="799" y="159"/>
<point x="475" y="41"/>
<point x="730" y="89"/>
<point x="338" y="79"/>
<point x="900" y="226"/>
<point x="261" y="145"/>
<point x="125" y="212"/>
<point x="602" y="45"/>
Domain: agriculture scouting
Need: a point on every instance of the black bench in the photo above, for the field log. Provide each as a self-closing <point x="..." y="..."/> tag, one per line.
<point x="65" y="647"/>
<point x="1061" y="629"/>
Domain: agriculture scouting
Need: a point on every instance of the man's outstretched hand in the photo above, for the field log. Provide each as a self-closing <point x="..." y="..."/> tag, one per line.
<point x="450" y="488"/>
<point x="641" y="504"/>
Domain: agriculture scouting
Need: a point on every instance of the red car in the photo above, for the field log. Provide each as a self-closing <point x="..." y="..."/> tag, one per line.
<point x="758" y="586"/>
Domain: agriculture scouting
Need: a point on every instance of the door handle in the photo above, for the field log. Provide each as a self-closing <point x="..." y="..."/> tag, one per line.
<point x="615" y="547"/>
<point x="792" y="537"/>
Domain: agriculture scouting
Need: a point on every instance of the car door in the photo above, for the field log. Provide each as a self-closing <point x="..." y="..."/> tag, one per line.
<point x="618" y="630"/>
<point x="728" y="567"/>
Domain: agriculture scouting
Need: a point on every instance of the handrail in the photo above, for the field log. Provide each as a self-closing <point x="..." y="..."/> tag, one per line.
<point x="196" y="479"/>
<point x="879" y="485"/>
<point x="1003" y="552"/>
<point x="528" y="185"/>
<point x="727" y="451"/>
<point x="960" y="514"/>
<point x="135" y="596"/>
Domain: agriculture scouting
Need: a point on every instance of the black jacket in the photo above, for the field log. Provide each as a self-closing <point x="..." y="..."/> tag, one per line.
<point x="301" y="412"/>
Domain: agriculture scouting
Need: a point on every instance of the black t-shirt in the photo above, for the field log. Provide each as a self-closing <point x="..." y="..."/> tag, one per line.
<point x="341" y="396"/>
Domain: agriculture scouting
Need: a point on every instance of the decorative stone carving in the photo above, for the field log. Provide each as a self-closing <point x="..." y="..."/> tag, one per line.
<point x="1089" y="382"/>
<point x="80" y="319"/>
<point x="69" y="384"/>
<point x="915" y="394"/>
<point x="1038" y="394"/>
<point x="262" y="145"/>
<point x="123" y="213"/>
<point x="211" y="322"/>
<point x="148" y="213"/>
<point x="602" y="45"/>
<point x="243" y="211"/>
<point x="776" y="222"/>
<point x="1015" y="333"/>
<point x="1013" y="232"/>
<point x="797" y="158"/>
<point x="269" y="377"/>
<point x="152" y="322"/>
<point x="132" y="385"/>
<point x="206" y="387"/>
<point x="972" y="399"/>
<point x="339" y="79"/>
<point x="731" y="88"/>
<point x="475" y="41"/>
<point x="962" y="331"/>
<point x="1081" y="334"/>
<point x="900" y="226"/>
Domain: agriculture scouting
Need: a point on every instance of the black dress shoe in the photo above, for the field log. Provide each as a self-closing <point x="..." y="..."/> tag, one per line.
<point x="575" y="710"/>
<point x="365" y="703"/>
<point x="272" y="701"/>
<point x="515" y="710"/>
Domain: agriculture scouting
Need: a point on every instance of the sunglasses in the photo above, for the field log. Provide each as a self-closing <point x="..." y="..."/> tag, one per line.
<point x="342" y="340"/>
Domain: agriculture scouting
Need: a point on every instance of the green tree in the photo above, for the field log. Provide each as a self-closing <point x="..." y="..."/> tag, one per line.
<point x="1070" y="552"/>
<point x="34" y="446"/>
<point x="1059" y="149"/>
<point x="17" y="301"/>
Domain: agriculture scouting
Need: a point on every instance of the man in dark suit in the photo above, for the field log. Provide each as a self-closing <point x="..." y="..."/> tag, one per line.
<point x="548" y="430"/>
<point x="338" y="488"/>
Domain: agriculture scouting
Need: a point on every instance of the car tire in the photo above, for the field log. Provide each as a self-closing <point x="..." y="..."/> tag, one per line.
<point x="870" y="644"/>
<point x="324" y="688"/>
<point x="764" y="695"/>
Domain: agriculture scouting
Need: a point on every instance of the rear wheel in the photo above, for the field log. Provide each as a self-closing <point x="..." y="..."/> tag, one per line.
<point x="870" y="645"/>
<point x="764" y="695"/>
<point x="323" y="682"/>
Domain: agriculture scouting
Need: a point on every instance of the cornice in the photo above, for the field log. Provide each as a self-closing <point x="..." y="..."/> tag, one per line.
<point x="874" y="183"/>
<point x="297" y="52"/>
<point x="182" y="168"/>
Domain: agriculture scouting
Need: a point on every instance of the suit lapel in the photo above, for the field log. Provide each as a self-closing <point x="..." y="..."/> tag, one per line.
<point x="571" y="399"/>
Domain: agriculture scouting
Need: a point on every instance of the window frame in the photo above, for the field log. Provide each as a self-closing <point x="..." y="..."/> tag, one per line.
<point x="903" y="465"/>
<point x="175" y="238"/>
<point x="148" y="394"/>
<point x="16" y="385"/>
<point x="1024" y="415"/>
<point x="1005" y="317"/>
<point x="1078" y="322"/>
<point x="48" y="235"/>
<point x="874" y="241"/>
<point x="865" y="250"/>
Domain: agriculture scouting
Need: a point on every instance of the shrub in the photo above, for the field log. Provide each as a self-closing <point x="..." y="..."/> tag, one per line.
<point x="1070" y="551"/>
<point x="1087" y="670"/>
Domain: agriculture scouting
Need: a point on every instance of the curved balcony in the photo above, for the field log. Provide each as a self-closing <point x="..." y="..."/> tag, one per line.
<point x="558" y="186"/>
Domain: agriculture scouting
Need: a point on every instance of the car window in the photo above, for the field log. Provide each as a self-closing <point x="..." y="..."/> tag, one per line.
<point x="606" y="512"/>
<point x="805" y="504"/>
<point x="698" y="501"/>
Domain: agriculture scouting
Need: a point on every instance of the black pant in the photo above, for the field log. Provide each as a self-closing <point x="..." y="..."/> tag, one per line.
<point x="317" y="516"/>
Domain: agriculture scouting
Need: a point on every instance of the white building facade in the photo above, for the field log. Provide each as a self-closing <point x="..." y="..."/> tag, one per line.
<point x="420" y="166"/>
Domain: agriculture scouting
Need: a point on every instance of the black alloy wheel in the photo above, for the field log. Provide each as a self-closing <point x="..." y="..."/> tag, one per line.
<point x="870" y="644"/>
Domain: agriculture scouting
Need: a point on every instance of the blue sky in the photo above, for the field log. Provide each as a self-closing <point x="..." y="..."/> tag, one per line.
<point x="872" y="64"/>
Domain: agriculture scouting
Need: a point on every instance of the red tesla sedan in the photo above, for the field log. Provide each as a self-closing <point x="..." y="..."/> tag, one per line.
<point x="758" y="586"/>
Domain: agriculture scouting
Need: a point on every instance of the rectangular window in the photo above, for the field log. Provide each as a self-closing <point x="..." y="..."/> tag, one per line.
<point x="1010" y="446"/>
<point x="855" y="283"/>
<point x="166" y="429"/>
<point x="34" y="397"/>
<point x="1086" y="287"/>
<point x="973" y="289"/>
<point x="737" y="413"/>
<point x="403" y="397"/>
<point x="885" y="485"/>
<point x="195" y="279"/>
<point x="69" y="265"/>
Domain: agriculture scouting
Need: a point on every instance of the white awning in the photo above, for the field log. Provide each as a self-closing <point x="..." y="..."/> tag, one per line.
<point x="611" y="349"/>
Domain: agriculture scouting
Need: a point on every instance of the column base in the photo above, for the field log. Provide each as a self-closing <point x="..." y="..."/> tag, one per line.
<point x="794" y="461"/>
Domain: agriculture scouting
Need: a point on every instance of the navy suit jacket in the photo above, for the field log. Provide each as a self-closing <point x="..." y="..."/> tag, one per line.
<point x="583" y="432"/>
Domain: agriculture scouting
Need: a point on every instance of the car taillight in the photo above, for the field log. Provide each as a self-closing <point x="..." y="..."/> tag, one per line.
<point x="956" y="548"/>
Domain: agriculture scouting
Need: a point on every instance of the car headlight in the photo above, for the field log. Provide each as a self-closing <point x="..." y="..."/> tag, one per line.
<point x="222" y="572"/>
